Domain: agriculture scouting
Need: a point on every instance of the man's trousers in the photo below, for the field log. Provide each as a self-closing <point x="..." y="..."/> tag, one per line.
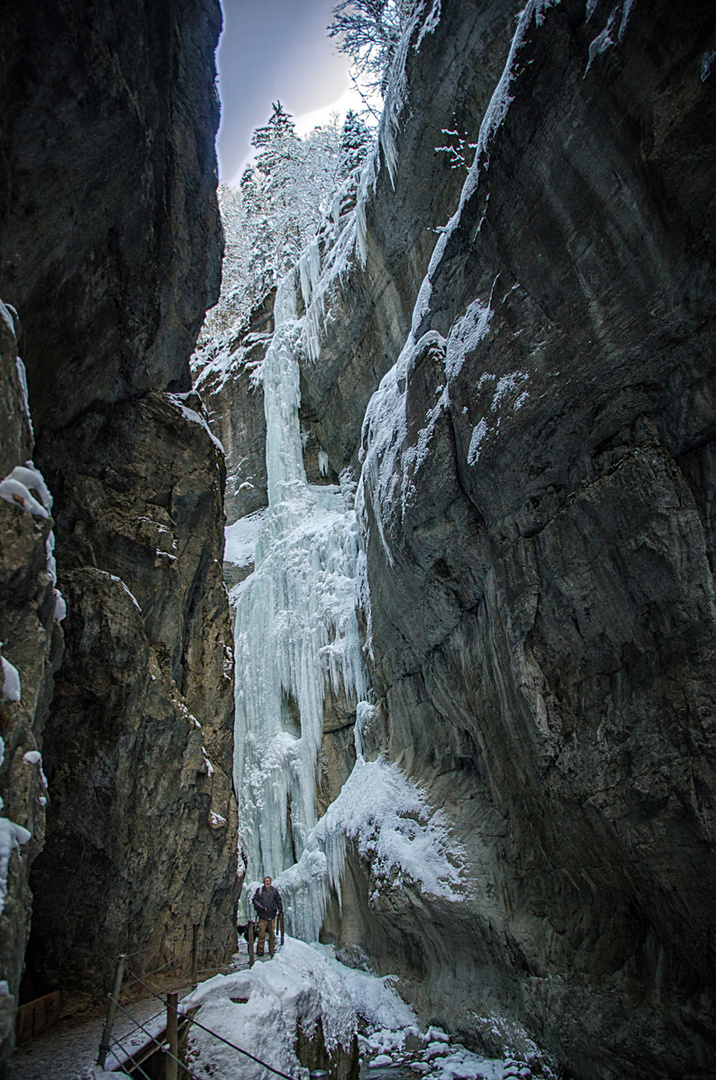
<point x="263" y="924"/>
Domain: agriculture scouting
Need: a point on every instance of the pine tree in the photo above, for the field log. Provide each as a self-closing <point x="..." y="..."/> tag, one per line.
<point x="356" y="138"/>
<point x="277" y="210"/>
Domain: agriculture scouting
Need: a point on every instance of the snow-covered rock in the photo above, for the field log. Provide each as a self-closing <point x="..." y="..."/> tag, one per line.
<point x="288" y="1012"/>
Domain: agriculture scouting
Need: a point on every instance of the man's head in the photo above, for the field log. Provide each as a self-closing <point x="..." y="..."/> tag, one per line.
<point x="267" y="882"/>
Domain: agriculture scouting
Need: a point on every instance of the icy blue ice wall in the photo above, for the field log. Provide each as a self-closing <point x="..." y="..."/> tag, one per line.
<point x="296" y="628"/>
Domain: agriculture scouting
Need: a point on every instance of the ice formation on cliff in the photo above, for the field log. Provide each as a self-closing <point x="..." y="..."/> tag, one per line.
<point x="296" y="627"/>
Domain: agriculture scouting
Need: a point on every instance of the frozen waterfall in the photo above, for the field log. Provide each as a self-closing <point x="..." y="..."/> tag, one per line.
<point x="296" y="627"/>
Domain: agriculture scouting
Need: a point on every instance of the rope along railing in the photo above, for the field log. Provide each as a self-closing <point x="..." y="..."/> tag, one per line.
<point x="160" y="1045"/>
<point x="196" y="1023"/>
<point x="216" y="956"/>
<point x="129" y="1057"/>
<point x="170" y="1045"/>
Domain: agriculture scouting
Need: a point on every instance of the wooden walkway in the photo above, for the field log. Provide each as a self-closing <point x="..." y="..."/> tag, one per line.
<point x="68" y="1050"/>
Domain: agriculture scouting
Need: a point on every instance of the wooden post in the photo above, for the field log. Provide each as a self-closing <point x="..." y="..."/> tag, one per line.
<point x="172" y="1071"/>
<point x="281" y="926"/>
<point x="251" y="942"/>
<point x="106" y="1045"/>
<point x="195" y="956"/>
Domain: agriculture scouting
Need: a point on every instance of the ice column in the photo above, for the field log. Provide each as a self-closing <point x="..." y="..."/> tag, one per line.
<point x="295" y="624"/>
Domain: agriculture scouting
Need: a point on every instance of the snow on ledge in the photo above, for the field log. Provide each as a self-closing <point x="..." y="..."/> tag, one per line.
<point x="179" y="402"/>
<point x="405" y="839"/>
<point x="11" y="687"/>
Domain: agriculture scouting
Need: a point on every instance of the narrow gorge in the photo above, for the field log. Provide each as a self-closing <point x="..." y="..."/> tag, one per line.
<point x="457" y="474"/>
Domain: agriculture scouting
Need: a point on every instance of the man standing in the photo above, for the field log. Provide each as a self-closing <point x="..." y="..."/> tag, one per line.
<point x="267" y="902"/>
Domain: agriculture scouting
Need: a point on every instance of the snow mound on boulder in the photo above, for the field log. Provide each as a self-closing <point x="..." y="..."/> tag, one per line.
<point x="263" y="1009"/>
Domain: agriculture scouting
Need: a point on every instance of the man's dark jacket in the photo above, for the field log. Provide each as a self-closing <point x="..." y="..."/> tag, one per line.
<point x="267" y="902"/>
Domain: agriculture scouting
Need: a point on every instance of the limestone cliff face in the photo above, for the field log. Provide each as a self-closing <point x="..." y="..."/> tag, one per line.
<point x="110" y="247"/>
<point x="109" y="223"/>
<point x="32" y="644"/>
<point x="138" y="747"/>
<point x="536" y="507"/>
<point x="371" y="308"/>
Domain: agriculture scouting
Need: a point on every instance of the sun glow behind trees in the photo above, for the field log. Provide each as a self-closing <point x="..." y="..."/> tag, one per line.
<point x="285" y="196"/>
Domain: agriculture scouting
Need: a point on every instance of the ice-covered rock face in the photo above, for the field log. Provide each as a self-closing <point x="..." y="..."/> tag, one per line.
<point x="534" y="506"/>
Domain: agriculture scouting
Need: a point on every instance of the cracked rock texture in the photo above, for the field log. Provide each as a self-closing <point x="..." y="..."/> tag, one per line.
<point x="536" y="505"/>
<point x="31" y="640"/>
<point x="110" y="247"/>
<point x="138" y="747"/>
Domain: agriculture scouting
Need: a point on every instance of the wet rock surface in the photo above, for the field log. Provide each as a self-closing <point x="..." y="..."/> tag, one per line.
<point x="539" y="559"/>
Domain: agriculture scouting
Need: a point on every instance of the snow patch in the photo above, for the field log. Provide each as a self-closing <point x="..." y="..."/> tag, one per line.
<point x="22" y="378"/>
<point x="465" y="335"/>
<point x="393" y="825"/>
<point x="606" y="38"/>
<point x="11" y="686"/>
<point x="506" y="385"/>
<point x="12" y="836"/>
<point x="113" y="577"/>
<point x="240" y="539"/>
<point x="430" y="23"/>
<point x="478" y="435"/>
<point x="179" y="402"/>
<point x="17" y="486"/>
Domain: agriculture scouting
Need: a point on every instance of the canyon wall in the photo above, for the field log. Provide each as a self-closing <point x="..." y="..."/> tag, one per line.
<point x="537" y="521"/>
<point x="517" y="370"/>
<point x="110" y="248"/>
<point x="30" y="616"/>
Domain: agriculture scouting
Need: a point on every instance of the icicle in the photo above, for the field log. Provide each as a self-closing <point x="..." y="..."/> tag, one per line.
<point x="296" y="626"/>
<point x="393" y="825"/>
<point x="309" y="266"/>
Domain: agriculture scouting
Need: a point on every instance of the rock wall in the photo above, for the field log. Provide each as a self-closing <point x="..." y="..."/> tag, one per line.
<point x="32" y="644"/>
<point x="138" y="747"/>
<point x="110" y="246"/>
<point x="536" y="511"/>
<point x="109" y="223"/>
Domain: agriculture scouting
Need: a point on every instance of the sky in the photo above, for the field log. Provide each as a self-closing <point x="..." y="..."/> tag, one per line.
<point x="276" y="49"/>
